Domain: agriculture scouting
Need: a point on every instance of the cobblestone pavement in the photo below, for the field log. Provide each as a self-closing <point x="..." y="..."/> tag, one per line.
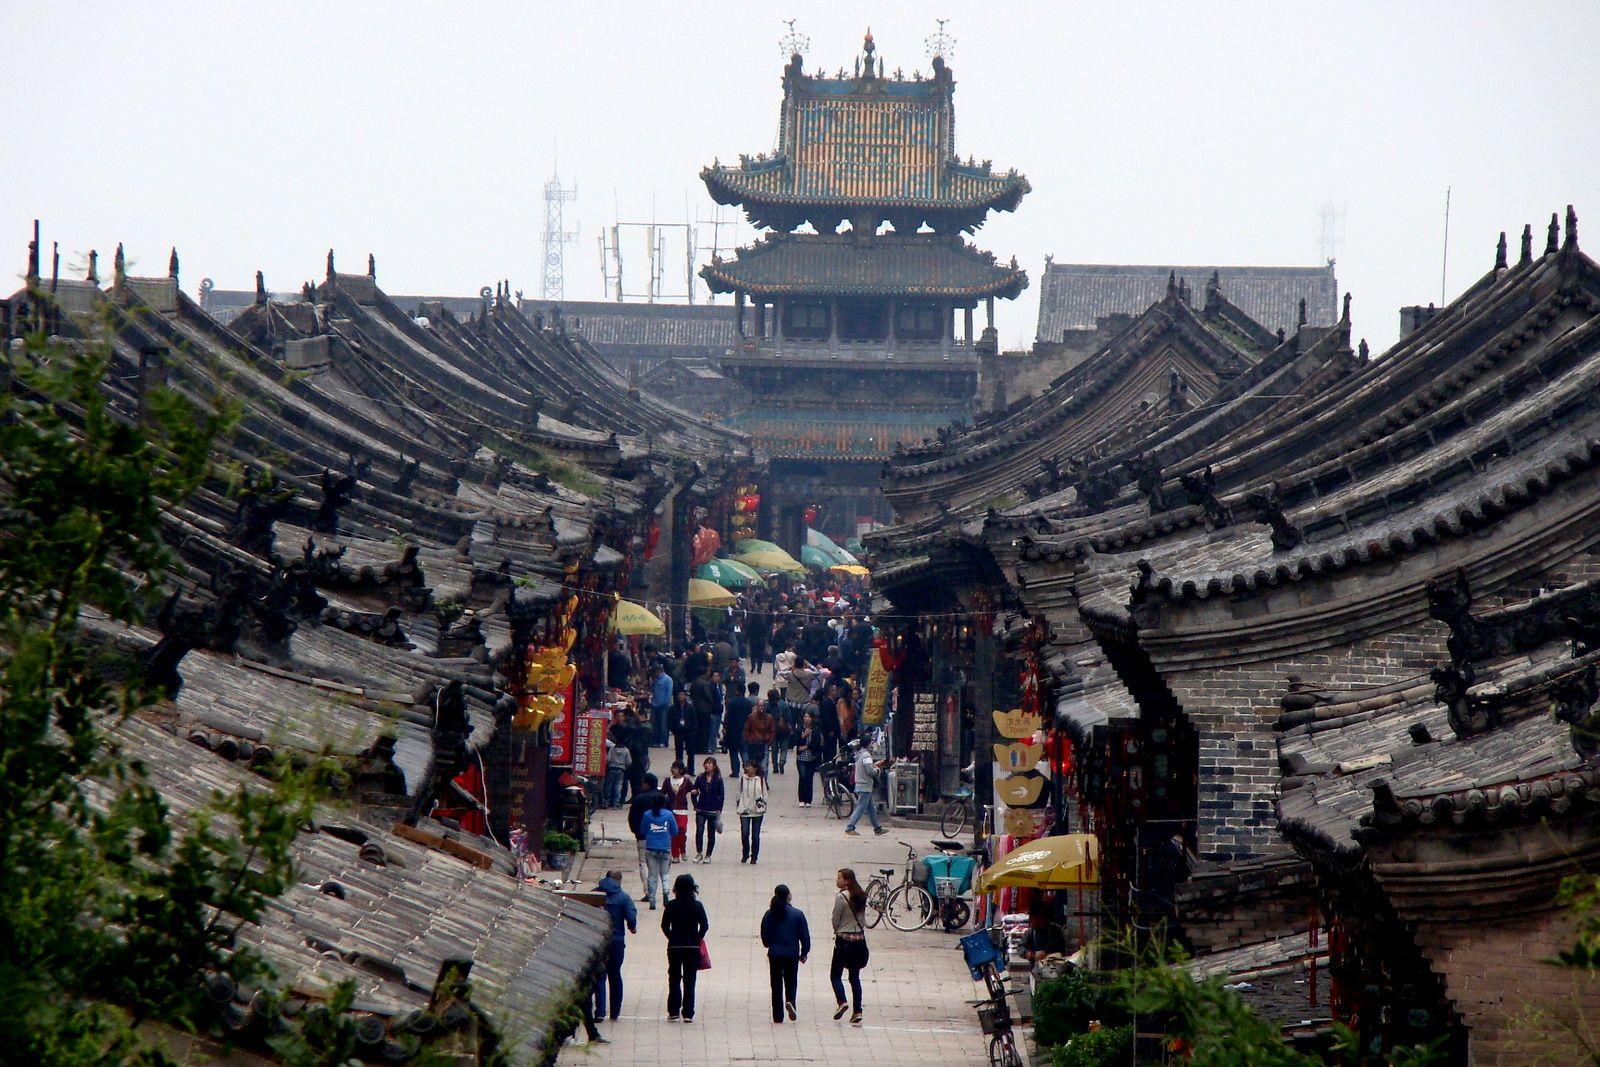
<point x="916" y="989"/>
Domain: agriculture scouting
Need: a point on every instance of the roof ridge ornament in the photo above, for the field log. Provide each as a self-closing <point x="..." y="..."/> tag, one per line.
<point x="940" y="44"/>
<point x="261" y="288"/>
<point x="1527" y="245"/>
<point x="1500" y="252"/>
<point x="93" y="276"/>
<point x="172" y="264"/>
<point x="1571" y="243"/>
<point x="1552" y="237"/>
<point x="33" y="255"/>
<point x="794" y="43"/>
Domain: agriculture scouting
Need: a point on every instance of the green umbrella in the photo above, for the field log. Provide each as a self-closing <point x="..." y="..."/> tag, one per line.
<point x="751" y="544"/>
<point x="729" y="575"/>
<point x="823" y="543"/>
<point x="816" y="558"/>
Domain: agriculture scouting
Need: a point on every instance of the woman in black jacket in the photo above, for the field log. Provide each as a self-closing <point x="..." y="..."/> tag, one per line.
<point x="807" y="754"/>
<point x="685" y="924"/>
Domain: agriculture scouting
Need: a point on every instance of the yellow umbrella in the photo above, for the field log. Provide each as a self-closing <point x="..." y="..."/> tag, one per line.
<point x="704" y="594"/>
<point x="1070" y="861"/>
<point x="771" y="559"/>
<point x="631" y="620"/>
<point x="851" y="568"/>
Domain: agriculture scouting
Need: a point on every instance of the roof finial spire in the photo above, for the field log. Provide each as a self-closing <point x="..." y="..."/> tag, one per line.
<point x="1500" y="252"/>
<point x="372" y="266"/>
<point x="1345" y="316"/>
<point x="119" y="266"/>
<point x="55" y="265"/>
<point x="867" y="50"/>
<point x="1300" y="319"/>
<point x="330" y="264"/>
<point x="1527" y="245"/>
<point x="1552" y="237"/>
<point x="33" y="254"/>
<point x="172" y="263"/>
<point x="1572" y="229"/>
<point x="261" y="288"/>
<point x="93" y="276"/>
<point x="1172" y="283"/>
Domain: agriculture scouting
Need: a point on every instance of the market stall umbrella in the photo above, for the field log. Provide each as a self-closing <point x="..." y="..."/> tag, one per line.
<point x="635" y="620"/>
<point x="752" y="544"/>
<point x="729" y="575"/>
<point x="704" y="594"/>
<point x="816" y="558"/>
<point x="850" y="568"/>
<point x="773" y="559"/>
<point x="1069" y="861"/>
<point x="828" y="547"/>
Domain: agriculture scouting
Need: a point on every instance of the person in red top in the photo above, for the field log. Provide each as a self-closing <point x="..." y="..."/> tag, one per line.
<point x="679" y="789"/>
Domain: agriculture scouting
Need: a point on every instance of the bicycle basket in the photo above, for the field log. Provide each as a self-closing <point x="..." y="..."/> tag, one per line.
<point x="989" y="1018"/>
<point x="979" y="949"/>
<point x="946" y="887"/>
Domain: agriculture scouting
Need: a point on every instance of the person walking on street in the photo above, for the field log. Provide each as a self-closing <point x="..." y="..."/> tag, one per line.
<point x="752" y="808"/>
<point x="685" y="924"/>
<point x="759" y="731"/>
<point x="647" y="799"/>
<point x="637" y="738"/>
<point x="618" y="760"/>
<point x="807" y="754"/>
<point x="788" y="941"/>
<point x="624" y="921"/>
<point x="709" y="797"/>
<point x="682" y="721"/>
<point x="679" y="791"/>
<point x="866" y="785"/>
<point x="733" y="720"/>
<point x="849" y="942"/>
<point x="705" y="696"/>
<point x="660" y="826"/>
<point x="661" y="690"/>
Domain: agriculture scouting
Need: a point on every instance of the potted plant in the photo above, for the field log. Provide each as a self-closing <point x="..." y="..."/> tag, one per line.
<point x="558" y="849"/>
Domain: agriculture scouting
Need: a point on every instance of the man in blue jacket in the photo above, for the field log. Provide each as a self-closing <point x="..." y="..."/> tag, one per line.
<point x="788" y="939"/>
<point x="661" y="690"/>
<point x="624" y="920"/>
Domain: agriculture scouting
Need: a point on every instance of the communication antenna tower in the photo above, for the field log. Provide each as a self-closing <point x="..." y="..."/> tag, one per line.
<point x="794" y="43"/>
<point x="1330" y="218"/>
<point x="941" y="43"/>
<point x="556" y="236"/>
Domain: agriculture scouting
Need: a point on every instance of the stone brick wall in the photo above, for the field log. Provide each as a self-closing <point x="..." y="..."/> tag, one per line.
<point x="1234" y="709"/>
<point x="1517" y="1008"/>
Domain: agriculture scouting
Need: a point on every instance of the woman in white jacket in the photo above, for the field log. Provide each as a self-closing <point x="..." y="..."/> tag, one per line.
<point x="752" y="808"/>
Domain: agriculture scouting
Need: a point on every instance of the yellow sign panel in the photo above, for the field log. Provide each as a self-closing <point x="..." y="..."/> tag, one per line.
<point x="876" y="703"/>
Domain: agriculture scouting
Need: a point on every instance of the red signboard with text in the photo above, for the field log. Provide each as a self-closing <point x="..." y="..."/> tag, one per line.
<point x="589" y="744"/>
<point x="561" y="731"/>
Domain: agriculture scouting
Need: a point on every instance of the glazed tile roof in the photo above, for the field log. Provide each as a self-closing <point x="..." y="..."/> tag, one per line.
<point x="615" y="329"/>
<point x="868" y="139"/>
<point x="1072" y="296"/>
<point x="838" y="434"/>
<point x="888" y="265"/>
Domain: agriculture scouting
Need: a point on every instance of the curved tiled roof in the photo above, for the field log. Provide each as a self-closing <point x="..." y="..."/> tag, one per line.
<point x="887" y="265"/>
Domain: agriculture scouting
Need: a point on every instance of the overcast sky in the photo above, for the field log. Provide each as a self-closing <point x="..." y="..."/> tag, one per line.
<point x="256" y="136"/>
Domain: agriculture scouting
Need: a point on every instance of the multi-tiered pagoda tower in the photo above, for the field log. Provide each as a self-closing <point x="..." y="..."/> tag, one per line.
<point x="848" y="336"/>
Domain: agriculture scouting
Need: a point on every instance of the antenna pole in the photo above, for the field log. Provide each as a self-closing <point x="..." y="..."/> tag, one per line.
<point x="1444" y="267"/>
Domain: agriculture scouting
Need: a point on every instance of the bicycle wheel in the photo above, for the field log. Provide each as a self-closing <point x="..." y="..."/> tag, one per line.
<point x="910" y="907"/>
<point x="1003" y="1051"/>
<point x="954" y="819"/>
<point x="877" y="902"/>
<point x="954" y="914"/>
<point x="838" y="800"/>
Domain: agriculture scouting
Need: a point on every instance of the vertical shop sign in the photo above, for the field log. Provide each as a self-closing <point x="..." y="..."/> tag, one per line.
<point x="561" y="731"/>
<point x="876" y="704"/>
<point x="589" y="744"/>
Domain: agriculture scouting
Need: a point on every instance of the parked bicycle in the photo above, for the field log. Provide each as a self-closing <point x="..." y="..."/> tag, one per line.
<point x="994" y="1016"/>
<point x="837" y="792"/>
<point x="906" y="904"/>
<point x="958" y="806"/>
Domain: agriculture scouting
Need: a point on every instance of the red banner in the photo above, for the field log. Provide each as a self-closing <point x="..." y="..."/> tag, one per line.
<point x="561" y="731"/>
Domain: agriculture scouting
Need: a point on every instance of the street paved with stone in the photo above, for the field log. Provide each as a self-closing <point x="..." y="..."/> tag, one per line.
<point x="916" y="989"/>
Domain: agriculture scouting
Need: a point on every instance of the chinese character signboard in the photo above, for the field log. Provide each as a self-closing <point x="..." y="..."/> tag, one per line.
<point x="875" y="704"/>
<point x="589" y="744"/>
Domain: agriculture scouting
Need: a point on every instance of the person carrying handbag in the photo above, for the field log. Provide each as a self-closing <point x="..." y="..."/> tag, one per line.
<point x="752" y="808"/>
<point x="685" y="924"/>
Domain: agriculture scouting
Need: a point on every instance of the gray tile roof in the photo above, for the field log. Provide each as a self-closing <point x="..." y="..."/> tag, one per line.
<point x="1073" y="295"/>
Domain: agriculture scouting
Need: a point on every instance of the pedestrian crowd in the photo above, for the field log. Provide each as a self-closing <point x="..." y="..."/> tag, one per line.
<point x="697" y="702"/>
